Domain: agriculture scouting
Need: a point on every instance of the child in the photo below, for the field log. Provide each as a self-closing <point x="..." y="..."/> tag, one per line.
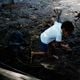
<point x="55" y="33"/>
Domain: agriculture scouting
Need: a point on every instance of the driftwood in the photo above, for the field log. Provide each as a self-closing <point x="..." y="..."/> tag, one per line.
<point x="10" y="75"/>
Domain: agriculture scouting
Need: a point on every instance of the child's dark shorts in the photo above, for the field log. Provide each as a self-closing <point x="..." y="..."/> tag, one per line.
<point x="43" y="47"/>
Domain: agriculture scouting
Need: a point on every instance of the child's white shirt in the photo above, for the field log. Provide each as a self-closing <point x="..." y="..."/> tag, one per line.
<point x="52" y="33"/>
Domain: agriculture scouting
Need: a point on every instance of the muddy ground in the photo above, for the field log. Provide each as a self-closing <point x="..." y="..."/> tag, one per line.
<point x="35" y="17"/>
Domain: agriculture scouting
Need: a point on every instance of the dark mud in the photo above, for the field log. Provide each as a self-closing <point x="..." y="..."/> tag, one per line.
<point x="67" y="67"/>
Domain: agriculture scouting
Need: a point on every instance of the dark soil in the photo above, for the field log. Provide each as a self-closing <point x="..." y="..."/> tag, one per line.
<point x="67" y="67"/>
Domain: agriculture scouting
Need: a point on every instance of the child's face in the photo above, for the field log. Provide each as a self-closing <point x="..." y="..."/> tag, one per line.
<point x="66" y="33"/>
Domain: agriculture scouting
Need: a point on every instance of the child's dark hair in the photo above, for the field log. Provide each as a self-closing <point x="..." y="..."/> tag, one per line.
<point x="68" y="26"/>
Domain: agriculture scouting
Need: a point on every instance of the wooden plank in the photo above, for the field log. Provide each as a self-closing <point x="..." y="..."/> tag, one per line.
<point x="15" y="76"/>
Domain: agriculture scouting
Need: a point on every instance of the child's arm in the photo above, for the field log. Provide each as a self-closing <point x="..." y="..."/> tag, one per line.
<point x="61" y="45"/>
<point x="66" y="47"/>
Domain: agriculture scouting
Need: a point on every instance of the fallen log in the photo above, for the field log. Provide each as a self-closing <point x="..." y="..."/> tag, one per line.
<point x="10" y="75"/>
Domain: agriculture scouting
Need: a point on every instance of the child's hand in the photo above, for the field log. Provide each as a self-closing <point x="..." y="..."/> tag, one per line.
<point x="66" y="47"/>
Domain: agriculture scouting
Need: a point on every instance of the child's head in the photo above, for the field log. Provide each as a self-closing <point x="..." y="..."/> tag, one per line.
<point x="67" y="28"/>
